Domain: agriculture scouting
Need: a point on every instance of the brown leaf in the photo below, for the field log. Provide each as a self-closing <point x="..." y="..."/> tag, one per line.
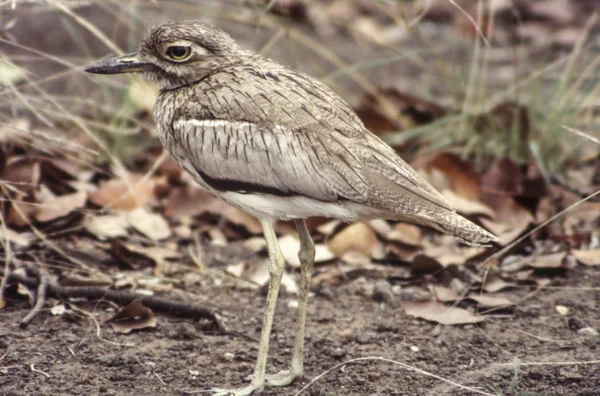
<point x="467" y="206"/>
<point x="488" y="301"/>
<point x="460" y="175"/>
<point x="20" y="213"/>
<point x="554" y="260"/>
<point x="188" y="201"/>
<point x="127" y="193"/>
<point x="443" y="294"/>
<point x="388" y="110"/>
<point x="405" y="233"/>
<point x="438" y="312"/>
<point x="151" y="225"/>
<point x="54" y="208"/>
<point x="130" y="257"/>
<point x="133" y="317"/>
<point x="290" y="245"/>
<point x="496" y="284"/>
<point x="241" y="218"/>
<point x="109" y="226"/>
<point x="358" y="237"/>
<point x="422" y="263"/>
<point x="19" y="239"/>
<point x="512" y="220"/>
<point x="588" y="257"/>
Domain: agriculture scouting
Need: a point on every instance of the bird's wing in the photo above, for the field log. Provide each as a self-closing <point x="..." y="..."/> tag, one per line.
<point x="326" y="151"/>
<point x="244" y="157"/>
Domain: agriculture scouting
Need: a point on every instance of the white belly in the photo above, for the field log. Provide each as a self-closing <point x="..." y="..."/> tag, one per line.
<point x="267" y="206"/>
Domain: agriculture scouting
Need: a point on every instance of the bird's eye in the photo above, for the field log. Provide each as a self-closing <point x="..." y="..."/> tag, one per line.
<point x="179" y="52"/>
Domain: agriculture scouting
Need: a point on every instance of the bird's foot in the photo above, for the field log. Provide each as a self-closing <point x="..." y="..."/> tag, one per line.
<point x="245" y="391"/>
<point x="282" y="378"/>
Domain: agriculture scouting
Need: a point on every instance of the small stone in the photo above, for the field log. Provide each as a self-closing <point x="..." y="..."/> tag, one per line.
<point x="382" y="292"/>
<point x="338" y="353"/>
<point x="228" y="356"/>
<point x="293" y="304"/>
<point x="588" y="331"/>
<point x="561" y="309"/>
<point x="414" y="348"/>
<point x="194" y="372"/>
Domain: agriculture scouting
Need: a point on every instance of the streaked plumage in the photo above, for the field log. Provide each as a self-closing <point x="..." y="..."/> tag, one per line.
<point x="254" y="126"/>
<point x="279" y="145"/>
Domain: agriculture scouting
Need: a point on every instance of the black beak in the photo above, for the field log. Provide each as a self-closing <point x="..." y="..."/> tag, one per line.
<point x="129" y="63"/>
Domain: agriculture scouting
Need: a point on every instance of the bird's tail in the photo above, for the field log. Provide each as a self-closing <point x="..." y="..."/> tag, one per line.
<point x="462" y="229"/>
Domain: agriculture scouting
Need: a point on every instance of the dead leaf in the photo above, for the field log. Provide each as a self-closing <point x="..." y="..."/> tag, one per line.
<point x="241" y="218"/>
<point x="405" y="233"/>
<point x="127" y="193"/>
<point x="20" y="212"/>
<point x="187" y="202"/>
<point x="358" y="237"/>
<point x="109" y="226"/>
<point x="443" y="294"/>
<point x="554" y="260"/>
<point x="130" y="257"/>
<point x="438" y="312"/>
<point x="459" y="176"/>
<point x="467" y="206"/>
<point x="133" y="317"/>
<point x="290" y="245"/>
<point x="19" y="239"/>
<point x="496" y="284"/>
<point x="388" y="109"/>
<point x="512" y="221"/>
<point x="151" y="225"/>
<point x="422" y="263"/>
<point x="54" y="208"/>
<point x="588" y="257"/>
<point x="488" y="301"/>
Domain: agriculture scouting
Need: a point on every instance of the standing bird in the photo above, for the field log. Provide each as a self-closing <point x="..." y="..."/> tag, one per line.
<point x="279" y="145"/>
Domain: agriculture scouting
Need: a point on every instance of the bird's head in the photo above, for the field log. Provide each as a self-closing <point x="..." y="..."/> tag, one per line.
<point x="176" y="54"/>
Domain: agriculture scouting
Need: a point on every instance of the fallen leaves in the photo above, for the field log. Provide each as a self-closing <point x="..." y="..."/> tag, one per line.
<point x="590" y="257"/>
<point x="434" y="311"/>
<point x="151" y="225"/>
<point x="358" y="237"/>
<point x="125" y="193"/>
<point x="133" y="317"/>
<point x="388" y="110"/>
<point x="56" y="207"/>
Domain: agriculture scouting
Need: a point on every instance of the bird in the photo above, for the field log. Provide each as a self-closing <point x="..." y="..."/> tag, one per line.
<point x="279" y="145"/>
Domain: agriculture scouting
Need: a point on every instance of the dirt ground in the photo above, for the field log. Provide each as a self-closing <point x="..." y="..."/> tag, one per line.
<point x="179" y="356"/>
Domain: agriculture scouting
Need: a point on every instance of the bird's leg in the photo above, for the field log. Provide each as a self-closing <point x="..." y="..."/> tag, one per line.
<point x="307" y="259"/>
<point x="276" y="264"/>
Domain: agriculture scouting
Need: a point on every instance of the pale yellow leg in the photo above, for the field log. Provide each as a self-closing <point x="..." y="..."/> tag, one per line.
<point x="307" y="259"/>
<point x="276" y="264"/>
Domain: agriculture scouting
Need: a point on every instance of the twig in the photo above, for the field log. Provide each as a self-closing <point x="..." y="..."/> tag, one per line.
<point x="33" y="369"/>
<point x="40" y="297"/>
<point x="403" y="365"/>
<point x="157" y="304"/>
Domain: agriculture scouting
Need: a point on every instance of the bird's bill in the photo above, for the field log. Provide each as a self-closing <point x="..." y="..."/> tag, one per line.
<point x="129" y="63"/>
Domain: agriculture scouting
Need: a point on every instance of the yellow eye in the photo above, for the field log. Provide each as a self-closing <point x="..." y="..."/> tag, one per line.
<point x="179" y="52"/>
